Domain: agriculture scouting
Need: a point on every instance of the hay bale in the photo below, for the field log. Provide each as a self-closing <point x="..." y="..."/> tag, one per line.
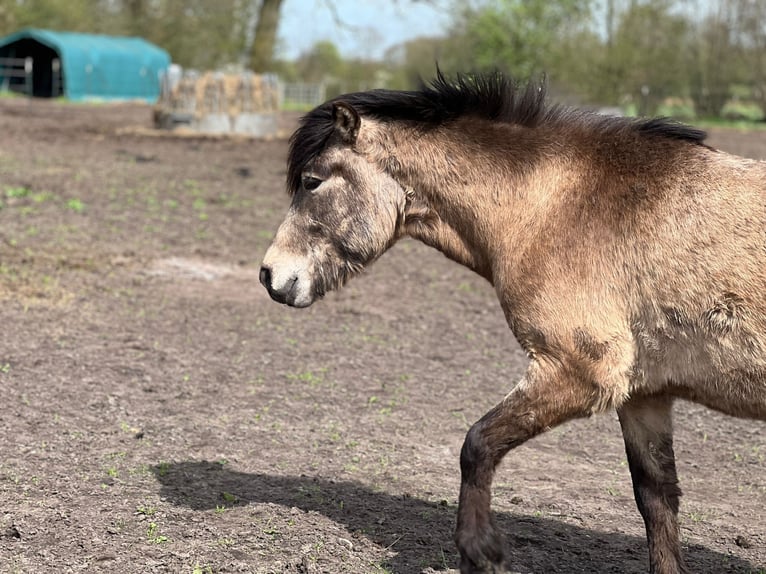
<point x="220" y="102"/>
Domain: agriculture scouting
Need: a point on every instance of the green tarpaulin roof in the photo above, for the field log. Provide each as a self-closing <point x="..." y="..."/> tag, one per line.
<point x="95" y="66"/>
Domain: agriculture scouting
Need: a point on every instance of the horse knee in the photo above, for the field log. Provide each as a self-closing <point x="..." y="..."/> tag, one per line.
<point x="486" y="442"/>
<point x="474" y="453"/>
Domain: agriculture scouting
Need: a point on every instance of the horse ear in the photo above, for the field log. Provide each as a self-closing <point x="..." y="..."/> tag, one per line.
<point x="347" y="121"/>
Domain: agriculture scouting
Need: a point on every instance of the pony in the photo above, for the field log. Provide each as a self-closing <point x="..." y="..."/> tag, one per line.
<point x="628" y="256"/>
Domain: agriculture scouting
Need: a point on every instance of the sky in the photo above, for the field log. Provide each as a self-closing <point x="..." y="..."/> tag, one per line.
<point x="366" y="28"/>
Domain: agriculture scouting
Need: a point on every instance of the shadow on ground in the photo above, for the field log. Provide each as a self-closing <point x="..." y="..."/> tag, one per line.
<point x="418" y="528"/>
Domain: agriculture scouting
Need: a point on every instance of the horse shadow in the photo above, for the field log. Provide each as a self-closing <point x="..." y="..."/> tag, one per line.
<point x="420" y="531"/>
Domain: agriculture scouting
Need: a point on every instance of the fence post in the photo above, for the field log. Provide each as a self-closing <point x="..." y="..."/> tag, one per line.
<point x="56" y="74"/>
<point x="28" y="79"/>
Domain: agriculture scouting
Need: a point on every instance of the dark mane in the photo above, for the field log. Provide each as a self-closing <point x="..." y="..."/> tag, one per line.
<point x="490" y="96"/>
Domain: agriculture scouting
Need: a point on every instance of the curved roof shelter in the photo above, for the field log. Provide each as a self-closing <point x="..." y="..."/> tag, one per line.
<point x="78" y="66"/>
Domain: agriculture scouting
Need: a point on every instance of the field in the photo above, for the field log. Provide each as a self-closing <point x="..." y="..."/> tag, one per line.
<point x="160" y="414"/>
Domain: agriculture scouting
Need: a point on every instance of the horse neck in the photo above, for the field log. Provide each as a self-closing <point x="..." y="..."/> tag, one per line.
<point x="476" y="189"/>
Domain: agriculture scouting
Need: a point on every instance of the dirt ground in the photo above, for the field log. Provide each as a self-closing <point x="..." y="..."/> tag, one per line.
<point x="160" y="414"/>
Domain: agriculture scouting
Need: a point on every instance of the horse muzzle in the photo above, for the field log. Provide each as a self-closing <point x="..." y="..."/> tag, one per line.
<point x="288" y="284"/>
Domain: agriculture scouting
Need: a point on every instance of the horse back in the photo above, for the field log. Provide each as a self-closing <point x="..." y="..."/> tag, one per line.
<point x="654" y="281"/>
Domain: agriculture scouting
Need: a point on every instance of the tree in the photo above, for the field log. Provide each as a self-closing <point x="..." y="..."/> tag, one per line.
<point x="416" y="60"/>
<point x="513" y="36"/>
<point x="711" y="56"/>
<point x="262" y="51"/>
<point x="75" y="15"/>
<point x="647" y="58"/>
<point x="321" y="62"/>
<point x="751" y="27"/>
<point x="7" y="17"/>
<point x="575" y="68"/>
<point x="137" y="20"/>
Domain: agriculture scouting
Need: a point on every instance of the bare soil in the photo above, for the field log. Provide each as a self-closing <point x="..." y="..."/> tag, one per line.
<point x="159" y="413"/>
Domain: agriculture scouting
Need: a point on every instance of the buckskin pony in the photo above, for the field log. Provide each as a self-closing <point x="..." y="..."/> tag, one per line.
<point x="628" y="256"/>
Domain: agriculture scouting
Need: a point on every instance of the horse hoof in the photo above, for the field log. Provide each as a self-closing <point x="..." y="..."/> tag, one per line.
<point x="481" y="554"/>
<point x="470" y="567"/>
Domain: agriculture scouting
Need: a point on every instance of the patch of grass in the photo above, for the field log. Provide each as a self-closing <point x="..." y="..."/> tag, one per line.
<point x="271" y="530"/>
<point x="353" y="466"/>
<point x="193" y="187"/>
<point x="397" y="398"/>
<point x="381" y="568"/>
<point x="295" y="107"/>
<point x="313" y="379"/>
<point x="697" y="516"/>
<point x="42" y="196"/>
<point x="163" y="468"/>
<point x="313" y="492"/>
<point x="140" y="470"/>
<point x="26" y="285"/>
<point x="17" y="192"/>
<point x="153" y="534"/>
<point x="200" y="205"/>
<point x="146" y="510"/>
<point x="385" y="411"/>
<point x="741" y="125"/>
<point x="75" y="205"/>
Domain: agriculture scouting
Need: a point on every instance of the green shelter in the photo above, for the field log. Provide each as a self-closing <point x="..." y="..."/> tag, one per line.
<point x="45" y="63"/>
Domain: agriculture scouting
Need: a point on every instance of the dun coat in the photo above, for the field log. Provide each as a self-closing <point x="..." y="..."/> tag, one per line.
<point x="628" y="256"/>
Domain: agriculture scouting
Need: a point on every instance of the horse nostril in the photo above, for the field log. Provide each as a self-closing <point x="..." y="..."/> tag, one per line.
<point x="265" y="277"/>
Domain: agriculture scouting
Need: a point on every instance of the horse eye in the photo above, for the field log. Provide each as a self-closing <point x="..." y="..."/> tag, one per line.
<point x="311" y="183"/>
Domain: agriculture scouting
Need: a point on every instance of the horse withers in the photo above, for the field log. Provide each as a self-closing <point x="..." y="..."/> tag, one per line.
<point x="629" y="259"/>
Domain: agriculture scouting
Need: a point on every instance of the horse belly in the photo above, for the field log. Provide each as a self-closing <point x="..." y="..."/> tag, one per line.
<point x="723" y="372"/>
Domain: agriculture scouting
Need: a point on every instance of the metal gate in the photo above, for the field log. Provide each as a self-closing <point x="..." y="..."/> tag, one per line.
<point x="18" y="75"/>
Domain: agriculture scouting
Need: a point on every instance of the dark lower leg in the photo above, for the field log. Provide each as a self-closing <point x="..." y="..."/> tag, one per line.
<point x="531" y="408"/>
<point x="648" y="433"/>
<point x="480" y="547"/>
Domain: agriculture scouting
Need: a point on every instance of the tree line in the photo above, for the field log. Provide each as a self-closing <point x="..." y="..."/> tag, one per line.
<point x="201" y="34"/>
<point x="694" y="57"/>
<point x="701" y="58"/>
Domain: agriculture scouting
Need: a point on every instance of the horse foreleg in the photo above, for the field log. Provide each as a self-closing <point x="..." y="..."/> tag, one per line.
<point x="648" y="432"/>
<point x="543" y="399"/>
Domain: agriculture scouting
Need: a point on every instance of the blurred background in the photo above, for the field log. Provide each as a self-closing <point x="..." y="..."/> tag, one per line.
<point x="691" y="59"/>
